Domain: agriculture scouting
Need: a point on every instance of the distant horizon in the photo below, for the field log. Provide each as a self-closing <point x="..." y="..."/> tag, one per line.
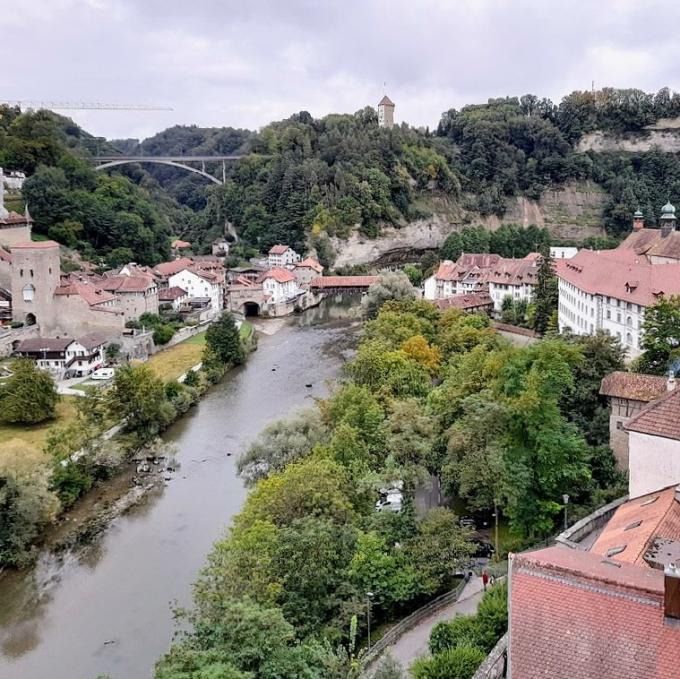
<point x="226" y="64"/>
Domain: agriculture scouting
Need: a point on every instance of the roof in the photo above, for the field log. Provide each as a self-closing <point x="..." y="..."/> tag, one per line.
<point x="659" y="418"/>
<point x="344" y="281"/>
<point x="175" y="266"/>
<point x="91" y="294"/>
<point x="574" y="615"/>
<point x="516" y="271"/>
<point x="14" y="218"/>
<point x="123" y="284"/>
<point x="37" y="344"/>
<point x="278" y="249"/>
<point x="385" y="101"/>
<point x="35" y="245"/>
<point x="93" y="340"/>
<point x="310" y="263"/>
<point x="620" y="273"/>
<point x="279" y="275"/>
<point x="5" y="256"/>
<point x="633" y="386"/>
<point x="473" y="300"/>
<point x="172" y="293"/>
<point x="180" y="244"/>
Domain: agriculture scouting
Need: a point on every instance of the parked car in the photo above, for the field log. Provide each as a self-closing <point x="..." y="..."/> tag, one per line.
<point x="102" y="374"/>
<point x="484" y="550"/>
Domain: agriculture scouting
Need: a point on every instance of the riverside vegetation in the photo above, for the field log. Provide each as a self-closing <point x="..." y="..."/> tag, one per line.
<point x="36" y="485"/>
<point x="284" y="594"/>
<point x="309" y="179"/>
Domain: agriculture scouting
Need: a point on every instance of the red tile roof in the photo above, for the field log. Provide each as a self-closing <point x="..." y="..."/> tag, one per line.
<point x="574" y="617"/>
<point x="91" y="294"/>
<point x="620" y="273"/>
<point x="15" y="219"/>
<point x="166" y="269"/>
<point x="470" y="301"/>
<point x="633" y="386"/>
<point x="653" y="243"/>
<point x="310" y="263"/>
<point x="35" y="245"/>
<point x="385" y="101"/>
<point x="658" y="515"/>
<point x="516" y="271"/>
<point x="659" y="418"/>
<point x="37" y="344"/>
<point x="278" y="249"/>
<point x="93" y="340"/>
<point x="344" y="281"/>
<point x="180" y="244"/>
<point x="123" y="284"/>
<point x="171" y="294"/>
<point x="5" y="256"/>
<point x="279" y="275"/>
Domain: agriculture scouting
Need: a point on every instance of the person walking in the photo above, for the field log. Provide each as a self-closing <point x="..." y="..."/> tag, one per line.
<point x="485" y="579"/>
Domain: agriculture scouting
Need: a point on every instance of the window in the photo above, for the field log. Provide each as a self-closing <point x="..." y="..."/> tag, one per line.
<point x="31" y="270"/>
<point x="619" y="425"/>
<point x="618" y="316"/>
<point x="629" y="339"/>
<point x="629" y="322"/>
<point x="28" y="293"/>
<point x="609" y="314"/>
<point x="615" y="550"/>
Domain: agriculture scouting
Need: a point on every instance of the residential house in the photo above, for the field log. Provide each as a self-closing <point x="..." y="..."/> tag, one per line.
<point x="136" y="294"/>
<point x="514" y="278"/>
<point x="628" y="393"/>
<point x="177" y="247"/>
<point x="279" y="285"/>
<point x="199" y="282"/>
<point x="172" y="298"/>
<point x="65" y="357"/>
<point x="469" y="273"/>
<point x="220" y="247"/>
<point x="281" y="256"/>
<point x="473" y="302"/>
<point x="306" y="271"/>
<point x="561" y="252"/>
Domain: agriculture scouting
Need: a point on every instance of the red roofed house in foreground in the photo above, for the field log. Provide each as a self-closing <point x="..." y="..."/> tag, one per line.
<point x="610" y="289"/>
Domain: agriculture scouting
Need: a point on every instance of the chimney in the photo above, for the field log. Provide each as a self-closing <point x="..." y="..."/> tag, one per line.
<point x="670" y="382"/>
<point x="671" y="591"/>
<point x="638" y="221"/>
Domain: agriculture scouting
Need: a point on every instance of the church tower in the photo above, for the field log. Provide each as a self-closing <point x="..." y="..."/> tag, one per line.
<point x="386" y="112"/>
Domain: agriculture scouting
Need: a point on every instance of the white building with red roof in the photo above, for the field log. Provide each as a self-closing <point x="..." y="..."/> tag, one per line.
<point x="137" y="294"/>
<point x="279" y="285"/>
<point x="200" y="283"/>
<point x="281" y="256"/>
<point x="307" y="270"/>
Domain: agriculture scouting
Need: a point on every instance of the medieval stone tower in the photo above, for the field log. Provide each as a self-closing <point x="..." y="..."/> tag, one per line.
<point x="35" y="276"/>
<point x="386" y="112"/>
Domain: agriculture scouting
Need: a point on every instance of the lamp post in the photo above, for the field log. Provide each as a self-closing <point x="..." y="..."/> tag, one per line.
<point x="565" y="498"/>
<point x="495" y="512"/>
<point x="369" y="596"/>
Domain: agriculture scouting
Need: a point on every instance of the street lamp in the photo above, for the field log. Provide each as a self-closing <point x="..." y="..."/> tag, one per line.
<point x="565" y="498"/>
<point x="369" y="596"/>
<point x="495" y="512"/>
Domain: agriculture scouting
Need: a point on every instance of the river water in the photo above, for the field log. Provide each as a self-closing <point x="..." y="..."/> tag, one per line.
<point x="108" y="611"/>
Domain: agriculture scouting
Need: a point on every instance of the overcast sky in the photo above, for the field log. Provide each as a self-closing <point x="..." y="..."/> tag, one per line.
<point x="245" y="63"/>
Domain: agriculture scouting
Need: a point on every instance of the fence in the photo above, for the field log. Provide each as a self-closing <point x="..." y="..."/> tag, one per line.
<point x="494" y="667"/>
<point x="411" y="621"/>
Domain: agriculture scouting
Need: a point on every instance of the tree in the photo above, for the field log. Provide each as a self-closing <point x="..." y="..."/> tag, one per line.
<point x="409" y="434"/>
<point x="661" y="337"/>
<point x="163" y="333"/>
<point x="415" y="274"/>
<point x="390" y="285"/>
<point x="456" y="663"/>
<point x="389" y="668"/>
<point x="138" y="398"/>
<point x="28" y="396"/>
<point x="27" y="504"/>
<point x="545" y="295"/>
<point x="223" y="341"/>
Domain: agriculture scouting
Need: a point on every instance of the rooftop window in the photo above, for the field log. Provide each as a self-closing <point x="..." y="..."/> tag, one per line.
<point x="613" y="551"/>
<point x="651" y="501"/>
<point x="630" y="526"/>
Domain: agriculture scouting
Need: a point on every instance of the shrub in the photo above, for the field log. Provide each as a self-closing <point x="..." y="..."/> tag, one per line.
<point x="492" y="616"/>
<point x="163" y="334"/>
<point x="28" y="396"/>
<point x="456" y="663"/>
<point x="463" y="630"/>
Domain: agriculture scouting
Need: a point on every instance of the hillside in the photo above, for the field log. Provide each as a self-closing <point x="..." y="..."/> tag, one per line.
<point x="356" y="191"/>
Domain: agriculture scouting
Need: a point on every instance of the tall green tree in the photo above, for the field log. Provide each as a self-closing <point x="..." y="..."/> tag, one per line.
<point x="28" y="396"/>
<point x="545" y="295"/>
<point x="223" y="341"/>
<point x="661" y="337"/>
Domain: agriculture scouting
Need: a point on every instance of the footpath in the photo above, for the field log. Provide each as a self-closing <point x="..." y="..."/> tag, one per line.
<point x="413" y="644"/>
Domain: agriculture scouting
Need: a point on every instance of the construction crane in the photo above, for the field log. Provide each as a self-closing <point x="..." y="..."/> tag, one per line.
<point x="82" y="106"/>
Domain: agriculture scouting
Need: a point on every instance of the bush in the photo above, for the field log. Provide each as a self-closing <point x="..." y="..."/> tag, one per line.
<point x="163" y="334"/>
<point x="492" y="616"/>
<point x="463" y="630"/>
<point x="28" y="396"/>
<point x="456" y="663"/>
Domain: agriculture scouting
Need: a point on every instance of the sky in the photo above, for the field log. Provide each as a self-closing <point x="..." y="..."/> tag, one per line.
<point x="246" y="63"/>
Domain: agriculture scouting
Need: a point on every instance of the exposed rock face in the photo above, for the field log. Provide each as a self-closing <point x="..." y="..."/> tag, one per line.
<point x="573" y="211"/>
<point x="666" y="139"/>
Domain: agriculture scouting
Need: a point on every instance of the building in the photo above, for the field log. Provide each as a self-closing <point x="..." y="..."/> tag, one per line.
<point x="14" y="228"/>
<point x="560" y="252"/>
<point x="628" y="393"/>
<point x="60" y="308"/>
<point x="199" y="282"/>
<point x="471" y="303"/>
<point x="386" y="112"/>
<point x="178" y="246"/>
<point x="282" y="256"/>
<point x="610" y="289"/>
<point x="470" y="273"/>
<point x="136" y="294"/>
<point x="66" y="357"/>
<point x="220" y="247"/>
<point x="514" y="278"/>
<point x="14" y="181"/>
<point x="654" y="444"/>
<point x="306" y="271"/>
<point x="172" y="298"/>
<point x="279" y="285"/>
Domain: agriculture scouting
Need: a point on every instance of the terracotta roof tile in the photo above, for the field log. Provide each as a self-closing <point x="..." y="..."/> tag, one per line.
<point x="92" y="295"/>
<point x="169" y="268"/>
<point x="180" y="244"/>
<point x="634" y="386"/>
<point x="35" y="344"/>
<point x="659" y="418"/>
<point x="310" y="263"/>
<point x="344" y="281"/>
<point x="123" y="284"/>
<point x="35" y="245"/>
<point x="171" y="294"/>
<point x="653" y="243"/>
<point x="385" y="101"/>
<point x="93" y="340"/>
<point x="278" y="249"/>
<point x="279" y="275"/>
<point x="469" y="301"/>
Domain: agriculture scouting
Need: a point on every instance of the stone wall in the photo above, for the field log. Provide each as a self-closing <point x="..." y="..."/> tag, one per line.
<point x="9" y="338"/>
<point x="666" y="140"/>
<point x="494" y="667"/>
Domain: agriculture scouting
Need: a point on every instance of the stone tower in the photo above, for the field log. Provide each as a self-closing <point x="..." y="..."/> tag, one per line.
<point x="386" y="112"/>
<point x="667" y="219"/>
<point x="36" y="273"/>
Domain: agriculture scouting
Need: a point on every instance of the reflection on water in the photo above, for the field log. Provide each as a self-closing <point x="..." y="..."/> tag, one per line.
<point x="108" y="610"/>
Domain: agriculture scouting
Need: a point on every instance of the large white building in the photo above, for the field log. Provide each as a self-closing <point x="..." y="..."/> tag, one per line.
<point x="199" y="283"/>
<point x="279" y="285"/>
<point x="282" y="256"/>
<point x="611" y="289"/>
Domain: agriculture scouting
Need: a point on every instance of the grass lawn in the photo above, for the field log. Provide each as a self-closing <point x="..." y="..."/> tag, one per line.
<point x="36" y="434"/>
<point x="170" y="363"/>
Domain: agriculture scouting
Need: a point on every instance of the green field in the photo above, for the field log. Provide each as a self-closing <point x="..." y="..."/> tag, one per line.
<point x="36" y="435"/>
<point x="170" y="363"/>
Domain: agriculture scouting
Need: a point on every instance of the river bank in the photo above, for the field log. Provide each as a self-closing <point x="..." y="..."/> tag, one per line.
<point x="56" y="620"/>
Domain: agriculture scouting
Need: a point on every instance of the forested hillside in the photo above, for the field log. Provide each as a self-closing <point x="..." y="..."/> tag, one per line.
<point x="308" y="179"/>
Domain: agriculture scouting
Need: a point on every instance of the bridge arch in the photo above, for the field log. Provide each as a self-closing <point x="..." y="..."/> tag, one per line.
<point x="250" y="308"/>
<point x="172" y="163"/>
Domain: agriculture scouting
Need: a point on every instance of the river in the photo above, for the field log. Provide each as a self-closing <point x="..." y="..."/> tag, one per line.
<point x="108" y="610"/>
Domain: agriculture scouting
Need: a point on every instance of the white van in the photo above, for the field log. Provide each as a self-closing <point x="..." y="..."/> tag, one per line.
<point x="102" y="374"/>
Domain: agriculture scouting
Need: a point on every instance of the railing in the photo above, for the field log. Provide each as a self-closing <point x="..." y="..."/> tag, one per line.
<point x="581" y="529"/>
<point x="495" y="665"/>
<point x="403" y="626"/>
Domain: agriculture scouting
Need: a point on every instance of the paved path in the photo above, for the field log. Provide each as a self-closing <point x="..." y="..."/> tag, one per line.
<point x="413" y="643"/>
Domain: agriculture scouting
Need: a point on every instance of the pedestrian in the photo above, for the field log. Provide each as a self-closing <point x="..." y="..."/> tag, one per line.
<point x="492" y="581"/>
<point x="485" y="579"/>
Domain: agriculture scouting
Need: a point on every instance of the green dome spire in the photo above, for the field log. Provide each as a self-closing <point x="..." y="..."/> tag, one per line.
<point x="668" y="211"/>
